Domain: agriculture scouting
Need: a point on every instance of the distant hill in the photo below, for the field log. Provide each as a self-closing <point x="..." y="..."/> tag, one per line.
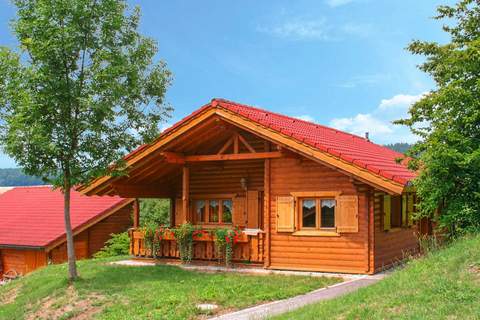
<point x="15" y="177"/>
<point x="401" y="147"/>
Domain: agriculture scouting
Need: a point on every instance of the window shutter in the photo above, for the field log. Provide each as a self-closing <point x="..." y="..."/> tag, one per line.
<point x="404" y="209"/>
<point x="239" y="212"/>
<point x="285" y="214"/>
<point x="387" y="211"/>
<point x="252" y="209"/>
<point x="346" y="214"/>
<point x="179" y="214"/>
<point x="410" y="208"/>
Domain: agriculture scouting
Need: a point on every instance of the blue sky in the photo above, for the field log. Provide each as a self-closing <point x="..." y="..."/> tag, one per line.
<point x="337" y="62"/>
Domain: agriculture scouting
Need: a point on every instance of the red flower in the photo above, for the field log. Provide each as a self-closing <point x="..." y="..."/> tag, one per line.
<point x="227" y="239"/>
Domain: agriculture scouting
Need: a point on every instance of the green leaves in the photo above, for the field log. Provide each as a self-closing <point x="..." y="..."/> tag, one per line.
<point x="448" y="122"/>
<point x="82" y="90"/>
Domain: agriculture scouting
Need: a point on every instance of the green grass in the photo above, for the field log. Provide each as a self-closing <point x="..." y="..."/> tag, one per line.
<point x="443" y="285"/>
<point x="154" y="292"/>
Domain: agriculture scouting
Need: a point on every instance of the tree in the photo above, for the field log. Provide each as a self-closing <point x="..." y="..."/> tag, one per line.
<point x="154" y="212"/>
<point x="448" y="122"/>
<point x="82" y="90"/>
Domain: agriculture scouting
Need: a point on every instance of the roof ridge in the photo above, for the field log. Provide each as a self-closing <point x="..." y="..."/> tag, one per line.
<point x="304" y="121"/>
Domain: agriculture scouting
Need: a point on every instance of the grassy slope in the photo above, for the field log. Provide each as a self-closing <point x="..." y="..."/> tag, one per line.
<point x="160" y="292"/>
<point x="444" y="285"/>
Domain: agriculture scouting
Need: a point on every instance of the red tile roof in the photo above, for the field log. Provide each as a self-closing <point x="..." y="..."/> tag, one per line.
<point x="351" y="148"/>
<point x="33" y="216"/>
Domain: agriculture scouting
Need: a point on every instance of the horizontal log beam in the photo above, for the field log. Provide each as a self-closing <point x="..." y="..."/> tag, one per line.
<point x="178" y="158"/>
<point x="237" y="156"/>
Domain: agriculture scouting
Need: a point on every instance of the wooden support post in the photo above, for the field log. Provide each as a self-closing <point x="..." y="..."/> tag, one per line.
<point x="186" y="193"/>
<point x="136" y="214"/>
<point x="266" y="214"/>
<point x="172" y="211"/>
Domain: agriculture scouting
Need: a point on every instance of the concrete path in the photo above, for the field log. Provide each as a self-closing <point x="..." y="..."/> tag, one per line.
<point x="277" y="307"/>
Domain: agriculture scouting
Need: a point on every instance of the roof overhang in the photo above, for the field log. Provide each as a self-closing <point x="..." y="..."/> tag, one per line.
<point x="275" y="136"/>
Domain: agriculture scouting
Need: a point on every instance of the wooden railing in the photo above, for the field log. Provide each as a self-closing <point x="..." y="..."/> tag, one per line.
<point x="248" y="249"/>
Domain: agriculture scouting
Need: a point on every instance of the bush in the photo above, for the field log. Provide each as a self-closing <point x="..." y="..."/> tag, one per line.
<point x="154" y="211"/>
<point x="117" y="245"/>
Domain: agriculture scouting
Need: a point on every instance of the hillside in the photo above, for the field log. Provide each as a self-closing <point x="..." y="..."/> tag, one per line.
<point x="444" y="285"/>
<point x="15" y="177"/>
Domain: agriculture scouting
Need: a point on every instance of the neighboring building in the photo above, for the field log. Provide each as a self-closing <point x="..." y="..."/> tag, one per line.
<point x="308" y="197"/>
<point x="32" y="229"/>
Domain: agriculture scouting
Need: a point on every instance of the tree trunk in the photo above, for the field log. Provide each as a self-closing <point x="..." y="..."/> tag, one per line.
<point x="72" y="266"/>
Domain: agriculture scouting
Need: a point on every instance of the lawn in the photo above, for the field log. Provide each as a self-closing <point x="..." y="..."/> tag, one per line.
<point x="154" y="292"/>
<point x="443" y="285"/>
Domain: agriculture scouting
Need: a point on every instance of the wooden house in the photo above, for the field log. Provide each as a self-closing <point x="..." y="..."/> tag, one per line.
<point x="306" y="196"/>
<point x="32" y="229"/>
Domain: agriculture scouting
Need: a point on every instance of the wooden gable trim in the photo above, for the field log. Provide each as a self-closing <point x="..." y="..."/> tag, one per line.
<point x="92" y="222"/>
<point x="286" y="141"/>
<point x="312" y="153"/>
<point x="154" y="146"/>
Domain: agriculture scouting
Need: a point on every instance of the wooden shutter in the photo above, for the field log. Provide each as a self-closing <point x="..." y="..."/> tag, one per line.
<point x="179" y="214"/>
<point x="387" y="211"/>
<point x="285" y="214"/>
<point x="239" y="213"/>
<point x="252" y="209"/>
<point x="346" y="214"/>
<point x="410" y="208"/>
<point x="404" y="210"/>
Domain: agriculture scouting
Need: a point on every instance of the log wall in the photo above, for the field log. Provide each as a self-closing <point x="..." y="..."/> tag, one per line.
<point x="393" y="245"/>
<point x="345" y="253"/>
<point x="22" y="260"/>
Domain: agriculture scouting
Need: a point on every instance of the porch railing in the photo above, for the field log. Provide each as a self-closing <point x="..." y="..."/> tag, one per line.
<point x="248" y="249"/>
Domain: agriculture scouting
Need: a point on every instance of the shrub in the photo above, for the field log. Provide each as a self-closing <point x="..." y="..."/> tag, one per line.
<point x="117" y="245"/>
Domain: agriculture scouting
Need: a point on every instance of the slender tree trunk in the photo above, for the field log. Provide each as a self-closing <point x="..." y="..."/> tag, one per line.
<point x="72" y="266"/>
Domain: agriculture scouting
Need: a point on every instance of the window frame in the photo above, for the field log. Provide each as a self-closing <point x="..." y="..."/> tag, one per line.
<point x="318" y="213"/>
<point x="220" y="198"/>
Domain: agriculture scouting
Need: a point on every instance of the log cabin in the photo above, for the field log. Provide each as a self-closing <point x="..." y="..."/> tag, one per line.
<point x="32" y="229"/>
<point x="307" y="197"/>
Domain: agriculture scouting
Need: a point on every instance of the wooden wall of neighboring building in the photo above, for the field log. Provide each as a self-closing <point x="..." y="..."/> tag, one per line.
<point x="91" y="240"/>
<point x="393" y="245"/>
<point x="22" y="260"/>
<point x="345" y="253"/>
<point x="87" y="243"/>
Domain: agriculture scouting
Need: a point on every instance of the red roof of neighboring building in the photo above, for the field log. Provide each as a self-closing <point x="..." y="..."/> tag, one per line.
<point x="33" y="216"/>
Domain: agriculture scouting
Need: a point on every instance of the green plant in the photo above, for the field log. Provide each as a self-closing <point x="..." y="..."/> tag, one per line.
<point x="225" y="240"/>
<point x="446" y="120"/>
<point x="428" y="243"/>
<point x="117" y="245"/>
<point x="154" y="211"/>
<point x="184" y="238"/>
<point x="82" y="89"/>
<point x="151" y="238"/>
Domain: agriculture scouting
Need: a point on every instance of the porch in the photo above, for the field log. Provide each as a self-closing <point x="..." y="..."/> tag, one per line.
<point x="219" y="183"/>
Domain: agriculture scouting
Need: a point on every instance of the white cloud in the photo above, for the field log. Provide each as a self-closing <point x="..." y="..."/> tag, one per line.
<point x="400" y="100"/>
<point x="299" y="29"/>
<point x="306" y="117"/>
<point x="337" y="3"/>
<point x="362" y="123"/>
<point x="367" y="79"/>
<point x="378" y="122"/>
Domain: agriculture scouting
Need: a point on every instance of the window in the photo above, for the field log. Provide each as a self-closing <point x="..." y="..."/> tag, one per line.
<point x="200" y="210"/>
<point x="227" y="211"/>
<point x="213" y="210"/>
<point x="397" y="211"/>
<point x="317" y="213"/>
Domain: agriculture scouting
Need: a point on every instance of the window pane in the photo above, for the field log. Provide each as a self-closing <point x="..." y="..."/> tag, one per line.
<point x="200" y="210"/>
<point x="227" y="211"/>
<point x="328" y="213"/>
<point x="213" y="211"/>
<point x="309" y="213"/>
